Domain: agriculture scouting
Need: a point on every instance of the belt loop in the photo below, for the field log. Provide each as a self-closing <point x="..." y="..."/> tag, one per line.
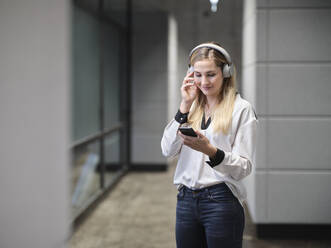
<point x="207" y="191"/>
<point x="182" y="190"/>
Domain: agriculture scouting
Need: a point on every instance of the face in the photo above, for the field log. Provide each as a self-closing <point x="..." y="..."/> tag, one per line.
<point x="208" y="77"/>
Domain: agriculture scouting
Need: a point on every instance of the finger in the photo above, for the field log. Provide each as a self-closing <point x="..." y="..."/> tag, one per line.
<point x="190" y="73"/>
<point x="188" y="86"/>
<point x="181" y="135"/>
<point x="200" y="135"/>
<point x="185" y="89"/>
<point x="187" y="140"/>
<point x="189" y="76"/>
<point x="184" y="137"/>
<point x="188" y="80"/>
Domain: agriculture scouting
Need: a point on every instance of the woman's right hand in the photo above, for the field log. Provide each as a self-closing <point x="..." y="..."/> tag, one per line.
<point x="189" y="92"/>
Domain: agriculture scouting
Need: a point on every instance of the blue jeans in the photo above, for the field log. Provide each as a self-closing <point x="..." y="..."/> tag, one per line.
<point x="210" y="217"/>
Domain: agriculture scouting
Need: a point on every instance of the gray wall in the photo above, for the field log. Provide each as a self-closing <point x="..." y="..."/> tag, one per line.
<point x="287" y="79"/>
<point x="159" y="67"/>
<point x="196" y="24"/>
<point x="34" y="126"/>
<point x="149" y="86"/>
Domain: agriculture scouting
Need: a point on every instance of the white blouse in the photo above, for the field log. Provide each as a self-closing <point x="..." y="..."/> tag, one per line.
<point x="239" y="146"/>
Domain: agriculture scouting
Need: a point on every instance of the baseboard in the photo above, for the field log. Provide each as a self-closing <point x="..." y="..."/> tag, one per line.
<point x="148" y="167"/>
<point x="111" y="167"/>
<point x="291" y="231"/>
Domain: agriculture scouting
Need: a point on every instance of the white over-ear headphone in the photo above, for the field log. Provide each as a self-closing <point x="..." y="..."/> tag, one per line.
<point x="227" y="68"/>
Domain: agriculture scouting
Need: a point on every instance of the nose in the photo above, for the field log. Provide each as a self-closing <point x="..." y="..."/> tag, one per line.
<point x="204" y="80"/>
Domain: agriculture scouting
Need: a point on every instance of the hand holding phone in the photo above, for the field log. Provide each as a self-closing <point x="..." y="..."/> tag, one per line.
<point x="188" y="131"/>
<point x="197" y="141"/>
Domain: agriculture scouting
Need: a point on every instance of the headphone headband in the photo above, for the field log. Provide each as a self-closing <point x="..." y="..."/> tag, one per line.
<point x="217" y="48"/>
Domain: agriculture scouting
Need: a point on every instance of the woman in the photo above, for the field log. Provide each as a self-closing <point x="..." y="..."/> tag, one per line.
<point x="212" y="165"/>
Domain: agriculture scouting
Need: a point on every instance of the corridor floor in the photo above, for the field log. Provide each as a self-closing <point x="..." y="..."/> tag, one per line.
<point x="140" y="213"/>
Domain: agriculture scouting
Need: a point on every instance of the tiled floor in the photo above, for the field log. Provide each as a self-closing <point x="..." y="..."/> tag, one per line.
<point x="140" y="213"/>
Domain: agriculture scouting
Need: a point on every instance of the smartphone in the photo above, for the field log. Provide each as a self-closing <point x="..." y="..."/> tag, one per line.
<point x="188" y="131"/>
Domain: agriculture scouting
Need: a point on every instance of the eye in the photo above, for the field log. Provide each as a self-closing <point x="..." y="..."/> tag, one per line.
<point x="197" y="74"/>
<point x="211" y="74"/>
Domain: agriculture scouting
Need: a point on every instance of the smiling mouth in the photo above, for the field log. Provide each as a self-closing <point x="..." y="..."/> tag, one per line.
<point x="206" y="88"/>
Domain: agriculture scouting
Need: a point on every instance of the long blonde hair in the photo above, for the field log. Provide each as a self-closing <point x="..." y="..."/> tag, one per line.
<point x="222" y="111"/>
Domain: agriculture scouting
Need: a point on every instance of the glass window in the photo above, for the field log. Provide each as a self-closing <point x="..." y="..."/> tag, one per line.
<point x="112" y="156"/>
<point x="86" y="66"/>
<point x="111" y="75"/>
<point x="99" y="53"/>
<point x="85" y="175"/>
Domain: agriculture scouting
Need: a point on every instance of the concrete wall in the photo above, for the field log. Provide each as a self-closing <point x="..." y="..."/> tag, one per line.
<point x="34" y="126"/>
<point x="149" y="86"/>
<point x="286" y="63"/>
<point x="174" y="94"/>
<point x="249" y="84"/>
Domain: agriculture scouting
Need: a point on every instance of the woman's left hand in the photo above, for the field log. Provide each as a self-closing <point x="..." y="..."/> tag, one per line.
<point x="200" y="143"/>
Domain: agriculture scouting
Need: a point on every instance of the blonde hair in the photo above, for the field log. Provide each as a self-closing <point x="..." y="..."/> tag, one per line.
<point x="222" y="111"/>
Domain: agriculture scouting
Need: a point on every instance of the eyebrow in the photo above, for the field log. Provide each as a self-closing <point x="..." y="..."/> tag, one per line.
<point x="207" y="71"/>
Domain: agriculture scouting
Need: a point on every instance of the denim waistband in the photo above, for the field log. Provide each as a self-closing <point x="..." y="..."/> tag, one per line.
<point x="205" y="189"/>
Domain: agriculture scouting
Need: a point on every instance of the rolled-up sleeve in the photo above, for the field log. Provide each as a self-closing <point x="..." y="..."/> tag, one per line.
<point x="238" y="162"/>
<point x="171" y="142"/>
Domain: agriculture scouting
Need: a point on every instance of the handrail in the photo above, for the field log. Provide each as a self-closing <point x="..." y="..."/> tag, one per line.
<point x="93" y="137"/>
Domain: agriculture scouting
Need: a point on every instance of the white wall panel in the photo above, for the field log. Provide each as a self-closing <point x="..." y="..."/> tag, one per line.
<point x="249" y="183"/>
<point x="299" y="35"/>
<point x="249" y="10"/>
<point x="299" y="143"/>
<point x="174" y="95"/>
<point x="261" y="197"/>
<point x="249" y="88"/>
<point x="299" y="89"/>
<point x="293" y="93"/>
<point x="299" y="197"/>
<point x="261" y="89"/>
<point x="261" y="156"/>
<point x="249" y="46"/>
<point x="261" y="35"/>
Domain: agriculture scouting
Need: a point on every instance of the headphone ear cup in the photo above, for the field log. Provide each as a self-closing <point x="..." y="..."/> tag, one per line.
<point x="226" y="71"/>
